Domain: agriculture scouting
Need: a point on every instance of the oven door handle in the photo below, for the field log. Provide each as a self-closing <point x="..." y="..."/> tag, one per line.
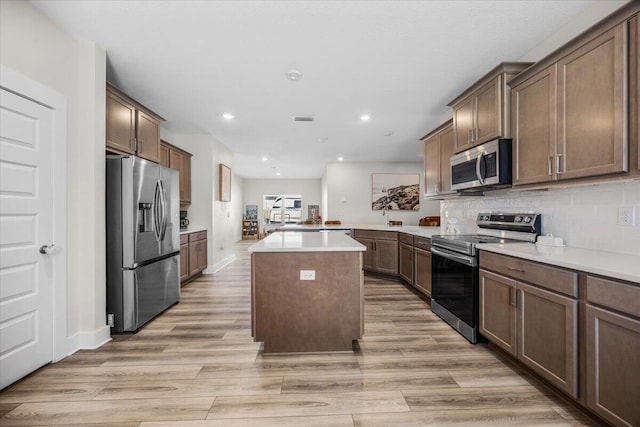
<point x="466" y="260"/>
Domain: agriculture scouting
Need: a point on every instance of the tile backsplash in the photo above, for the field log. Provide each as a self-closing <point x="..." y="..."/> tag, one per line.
<point x="584" y="216"/>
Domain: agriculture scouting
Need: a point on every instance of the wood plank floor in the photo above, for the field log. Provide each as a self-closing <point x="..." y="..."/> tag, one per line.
<point x="196" y="365"/>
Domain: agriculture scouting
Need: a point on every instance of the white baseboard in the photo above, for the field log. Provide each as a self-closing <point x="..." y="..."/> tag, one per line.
<point x="89" y="340"/>
<point x="219" y="265"/>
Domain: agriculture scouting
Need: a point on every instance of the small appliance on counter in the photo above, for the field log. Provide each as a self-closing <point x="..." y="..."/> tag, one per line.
<point x="184" y="222"/>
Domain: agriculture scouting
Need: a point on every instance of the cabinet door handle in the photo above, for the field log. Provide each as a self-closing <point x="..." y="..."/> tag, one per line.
<point x="469" y="136"/>
<point x="476" y="132"/>
<point x="550" y="165"/>
<point x="558" y="163"/>
<point x="437" y="188"/>
<point x="515" y="269"/>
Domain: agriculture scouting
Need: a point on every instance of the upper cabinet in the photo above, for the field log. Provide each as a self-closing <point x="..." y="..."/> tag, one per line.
<point x="574" y="114"/>
<point x="180" y="160"/>
<point x="131" y="128"/>
<point x="481" y="113"/>
<point x="438" y="149"/>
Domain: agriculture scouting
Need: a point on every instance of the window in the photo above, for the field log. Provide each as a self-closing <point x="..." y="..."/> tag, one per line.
<point x="282" y="208"/>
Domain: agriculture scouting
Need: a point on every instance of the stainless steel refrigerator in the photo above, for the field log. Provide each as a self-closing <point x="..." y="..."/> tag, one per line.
<point x="143" y="241"/>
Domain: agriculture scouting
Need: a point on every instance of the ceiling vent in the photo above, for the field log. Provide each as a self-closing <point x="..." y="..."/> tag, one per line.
<point x="303" y="118"/>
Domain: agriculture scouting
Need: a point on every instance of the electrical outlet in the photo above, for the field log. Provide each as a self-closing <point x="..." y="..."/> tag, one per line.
<point x="307" y="275"/>
<point x="110" y="320"/>
<point x="627" y="216"/>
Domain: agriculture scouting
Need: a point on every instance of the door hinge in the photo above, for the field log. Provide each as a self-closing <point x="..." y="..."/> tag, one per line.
<point x="110" y="320"/>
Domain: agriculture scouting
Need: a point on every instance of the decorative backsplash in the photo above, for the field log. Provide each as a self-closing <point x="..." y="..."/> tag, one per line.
<point x="585" y="216"/>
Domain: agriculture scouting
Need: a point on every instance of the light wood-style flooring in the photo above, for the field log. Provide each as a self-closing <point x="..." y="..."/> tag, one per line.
<point x="197" y="365"/>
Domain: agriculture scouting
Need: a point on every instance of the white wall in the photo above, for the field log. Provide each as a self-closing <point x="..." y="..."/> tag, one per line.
<point x="309" y="189"/>
<point x="348" y="187"/>
<point x="586" y="216"/>
<point x="35" y="47"/>
<point x="223" y="220"/>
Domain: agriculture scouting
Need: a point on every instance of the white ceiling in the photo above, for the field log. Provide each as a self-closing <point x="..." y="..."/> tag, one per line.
<point x="399" y="61"/>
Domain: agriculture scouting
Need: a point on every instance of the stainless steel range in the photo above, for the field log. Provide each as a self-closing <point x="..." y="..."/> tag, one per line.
<point x="454" y="293"/>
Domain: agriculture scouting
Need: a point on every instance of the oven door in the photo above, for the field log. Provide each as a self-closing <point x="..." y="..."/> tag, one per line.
<point x="455" y="284"/>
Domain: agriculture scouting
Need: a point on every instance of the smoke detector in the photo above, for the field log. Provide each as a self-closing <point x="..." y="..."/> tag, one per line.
<point x="293" y="75"/>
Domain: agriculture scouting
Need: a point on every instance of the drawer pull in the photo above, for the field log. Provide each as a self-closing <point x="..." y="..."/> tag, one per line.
<point x="519" y="270"/>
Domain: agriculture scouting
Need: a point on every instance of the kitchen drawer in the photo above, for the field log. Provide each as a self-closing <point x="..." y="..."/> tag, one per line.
<point x="376" y="235"/>
<point x="405" y="238"/>
<point x="422" y="243"/>
<point x="200" y="235"/>
<point x="184" y="239"/>
<point x="555" y="279"/>
<point x="615" y="295"/>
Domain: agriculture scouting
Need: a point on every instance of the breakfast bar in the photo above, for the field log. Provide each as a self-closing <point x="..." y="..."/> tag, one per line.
<point x="307" y="292"/>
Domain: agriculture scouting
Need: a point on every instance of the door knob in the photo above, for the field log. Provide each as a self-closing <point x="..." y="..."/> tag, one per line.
<point x="48" y="249"/>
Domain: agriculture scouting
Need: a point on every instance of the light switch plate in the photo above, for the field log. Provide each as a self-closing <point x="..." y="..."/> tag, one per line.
<point x="307" y="275"/>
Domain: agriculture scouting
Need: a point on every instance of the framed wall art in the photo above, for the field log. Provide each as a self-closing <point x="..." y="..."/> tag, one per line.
<point x="395" y="191"/>
<point x="224" y="183"/>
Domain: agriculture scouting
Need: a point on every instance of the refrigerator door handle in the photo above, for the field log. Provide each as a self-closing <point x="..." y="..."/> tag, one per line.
<point x="156" y="211"/>
<point x="163" y="203"/>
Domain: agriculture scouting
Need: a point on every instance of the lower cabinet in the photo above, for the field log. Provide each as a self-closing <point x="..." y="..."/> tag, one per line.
<point x="531" y="322"/>
<point x="193" y="255"/>
<point x="381" y="255"/>
<point x="184" y="257"/>
<point x="422" y="276"/>
<point x="405" y="258"/>
<point x="613" y="350"/>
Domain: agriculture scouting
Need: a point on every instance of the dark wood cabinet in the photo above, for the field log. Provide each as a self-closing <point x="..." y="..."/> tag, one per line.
<point x="497" y="308"/>
<point x="405" y="265"/>
<point x="193" y="255"/>
<point x="180" y="160"/>
<point x="414" y="262"/>
<point x="422" y="277"/>
<point x="184" y="257"/>
<point x="130" y="127"/>
<point x="381" y="255"/>
<point x="535" y="321"/>
<point x="571" y="116"/>
<point x="120" y="124"/>
<point x="438" y="149"/>
<point x="613" y="350"/>
<point x="534" y="128"/>
<point x="481" y="113"/>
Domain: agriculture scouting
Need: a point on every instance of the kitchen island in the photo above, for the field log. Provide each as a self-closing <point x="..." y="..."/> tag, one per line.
<point x="307" y="292"/>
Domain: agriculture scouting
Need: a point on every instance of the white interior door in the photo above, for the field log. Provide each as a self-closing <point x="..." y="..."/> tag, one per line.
<point x="26" y="223"/>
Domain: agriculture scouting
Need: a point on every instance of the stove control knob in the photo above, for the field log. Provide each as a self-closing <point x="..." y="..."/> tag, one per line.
<point x="486" y="217"/>
<point x="518" y="219"/>
<point x="527" y="219"/>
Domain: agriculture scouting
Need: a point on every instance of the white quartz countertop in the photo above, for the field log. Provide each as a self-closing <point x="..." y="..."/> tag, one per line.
<point x="299" y="241"/>
<point x="409" y="229"/>
<point x="619" y="266"/>
<point x="193" y="229"/>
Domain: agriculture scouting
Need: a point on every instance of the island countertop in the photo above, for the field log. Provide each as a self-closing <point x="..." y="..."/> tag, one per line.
<point x="298" y="241"/>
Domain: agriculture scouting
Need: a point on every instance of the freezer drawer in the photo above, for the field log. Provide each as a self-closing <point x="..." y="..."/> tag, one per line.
<point x="146" y="292"/>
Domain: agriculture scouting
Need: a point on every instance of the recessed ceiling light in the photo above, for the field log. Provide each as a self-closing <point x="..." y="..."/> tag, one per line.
<point x="340" y="158"/>
<point x="293" y="75"/>
<point x="323" y="139"/>
<point x="365" y="117"/>
<point x="278" y="173"/>
<point x="264" y="158"/>
<point x="228" y="116"/>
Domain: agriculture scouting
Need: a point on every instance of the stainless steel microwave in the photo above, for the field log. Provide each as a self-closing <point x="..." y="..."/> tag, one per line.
<point x="487" y="166"/>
